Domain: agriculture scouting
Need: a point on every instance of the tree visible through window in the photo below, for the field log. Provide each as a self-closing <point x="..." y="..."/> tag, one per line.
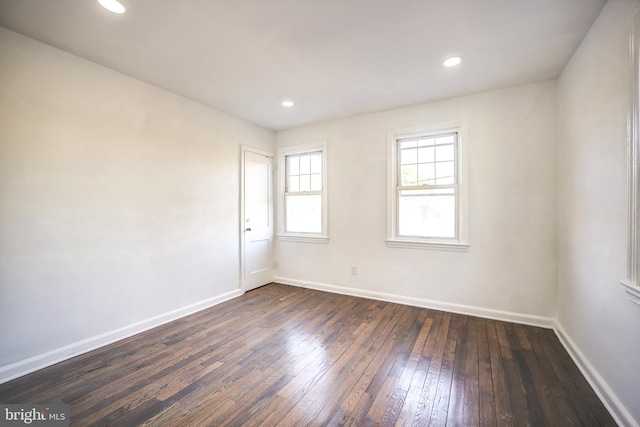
<point x="427" y="186"/>
<point x="303" y="194"/>
<point x="302" y="190"/>
<point x="426" y="194"/>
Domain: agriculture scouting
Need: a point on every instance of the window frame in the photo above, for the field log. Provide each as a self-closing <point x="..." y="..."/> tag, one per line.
<point x="631" y="283"/>
<point x="296" y="150"/>
<point x="394" y="240"/>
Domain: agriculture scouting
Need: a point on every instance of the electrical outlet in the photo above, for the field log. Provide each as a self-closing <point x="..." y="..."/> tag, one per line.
<point x="354" y="270"/>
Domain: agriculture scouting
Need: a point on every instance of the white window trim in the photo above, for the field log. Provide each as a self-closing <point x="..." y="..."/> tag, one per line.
<point x="283" y="235"/>
<point x="393" y="241"/>
<point x="631" y="284"/>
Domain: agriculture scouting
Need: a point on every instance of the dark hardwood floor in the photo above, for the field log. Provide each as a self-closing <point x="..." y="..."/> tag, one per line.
<point x="289" y="356"/>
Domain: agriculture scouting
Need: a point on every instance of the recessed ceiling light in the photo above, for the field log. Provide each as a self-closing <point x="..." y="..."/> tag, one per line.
<point x="112" y="6"/>
<point x="452" y="62"/>
<point x="287" y="103"/>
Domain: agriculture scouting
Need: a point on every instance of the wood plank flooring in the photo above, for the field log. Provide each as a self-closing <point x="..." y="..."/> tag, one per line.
<point x="289" y="356"/>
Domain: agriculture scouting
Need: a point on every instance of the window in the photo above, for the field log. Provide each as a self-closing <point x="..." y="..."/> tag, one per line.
<point x="632" y="282"/>
<point x="426" y="192"/>
<point x="303" y="193"/>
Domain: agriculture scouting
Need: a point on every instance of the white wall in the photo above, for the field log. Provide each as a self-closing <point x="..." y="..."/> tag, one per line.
<point x="511" y="263"/>
<point x="119" y="202"/>
<point x="119" y="205"/>
<point x="599" y="323"/>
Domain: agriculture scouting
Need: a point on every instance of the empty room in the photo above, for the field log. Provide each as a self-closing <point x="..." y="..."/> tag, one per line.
<point x="355" y="212"/>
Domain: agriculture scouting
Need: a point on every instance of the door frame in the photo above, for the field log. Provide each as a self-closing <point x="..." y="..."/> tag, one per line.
<point x="243" y="150"/>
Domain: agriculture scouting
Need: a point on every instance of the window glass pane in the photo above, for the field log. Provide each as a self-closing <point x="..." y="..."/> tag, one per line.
<point x="444" y="153"/>
<point x="316" y="182"/>
<point x="446" y="139"/>
<point x="427" y="213"/>
<point x="305" y="182"/>
<point x="408" y="175"/>
<point x="426" y="174"/>
<point x="408" y="156"/>
<point x="426" y="141"/>
<point x="426" y="155"/>
<point x="407" y="143"/>
<point x="304" y="213"/>
<point x="445" y="173"/>
<point x="305" y="164"/>
<point x="293" y="184"/>
<point x="293" y="165"/>
<point x="316" y="163"/>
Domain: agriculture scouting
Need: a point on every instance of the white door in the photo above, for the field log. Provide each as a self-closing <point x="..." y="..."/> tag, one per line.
<point x="258" y="220"/>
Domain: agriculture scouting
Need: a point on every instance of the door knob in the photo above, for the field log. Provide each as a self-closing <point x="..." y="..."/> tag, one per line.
<point x="248" y="229"/>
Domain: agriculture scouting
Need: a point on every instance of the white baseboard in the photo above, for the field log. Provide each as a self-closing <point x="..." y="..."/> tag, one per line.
<point x="608" y="398"/>
<point x="507" y="316"/>
<point x="615" y="407"/>
<point x="599" y="385"/>
<point x="23" y="367"/>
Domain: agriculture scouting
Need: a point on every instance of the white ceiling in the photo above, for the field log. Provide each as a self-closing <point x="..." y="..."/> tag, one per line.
<point x="335" y="58"/>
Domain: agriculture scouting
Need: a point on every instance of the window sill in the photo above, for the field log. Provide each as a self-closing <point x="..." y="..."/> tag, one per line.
<point x="428" y="245"/>
<point x="633" y="292"/>
<point x="303" y="239"/>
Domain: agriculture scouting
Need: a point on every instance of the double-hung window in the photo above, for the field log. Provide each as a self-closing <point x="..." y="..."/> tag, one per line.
<point x="303" y="193"/>
<point x="426" y="194"/>
<point x="632" y="282"/>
